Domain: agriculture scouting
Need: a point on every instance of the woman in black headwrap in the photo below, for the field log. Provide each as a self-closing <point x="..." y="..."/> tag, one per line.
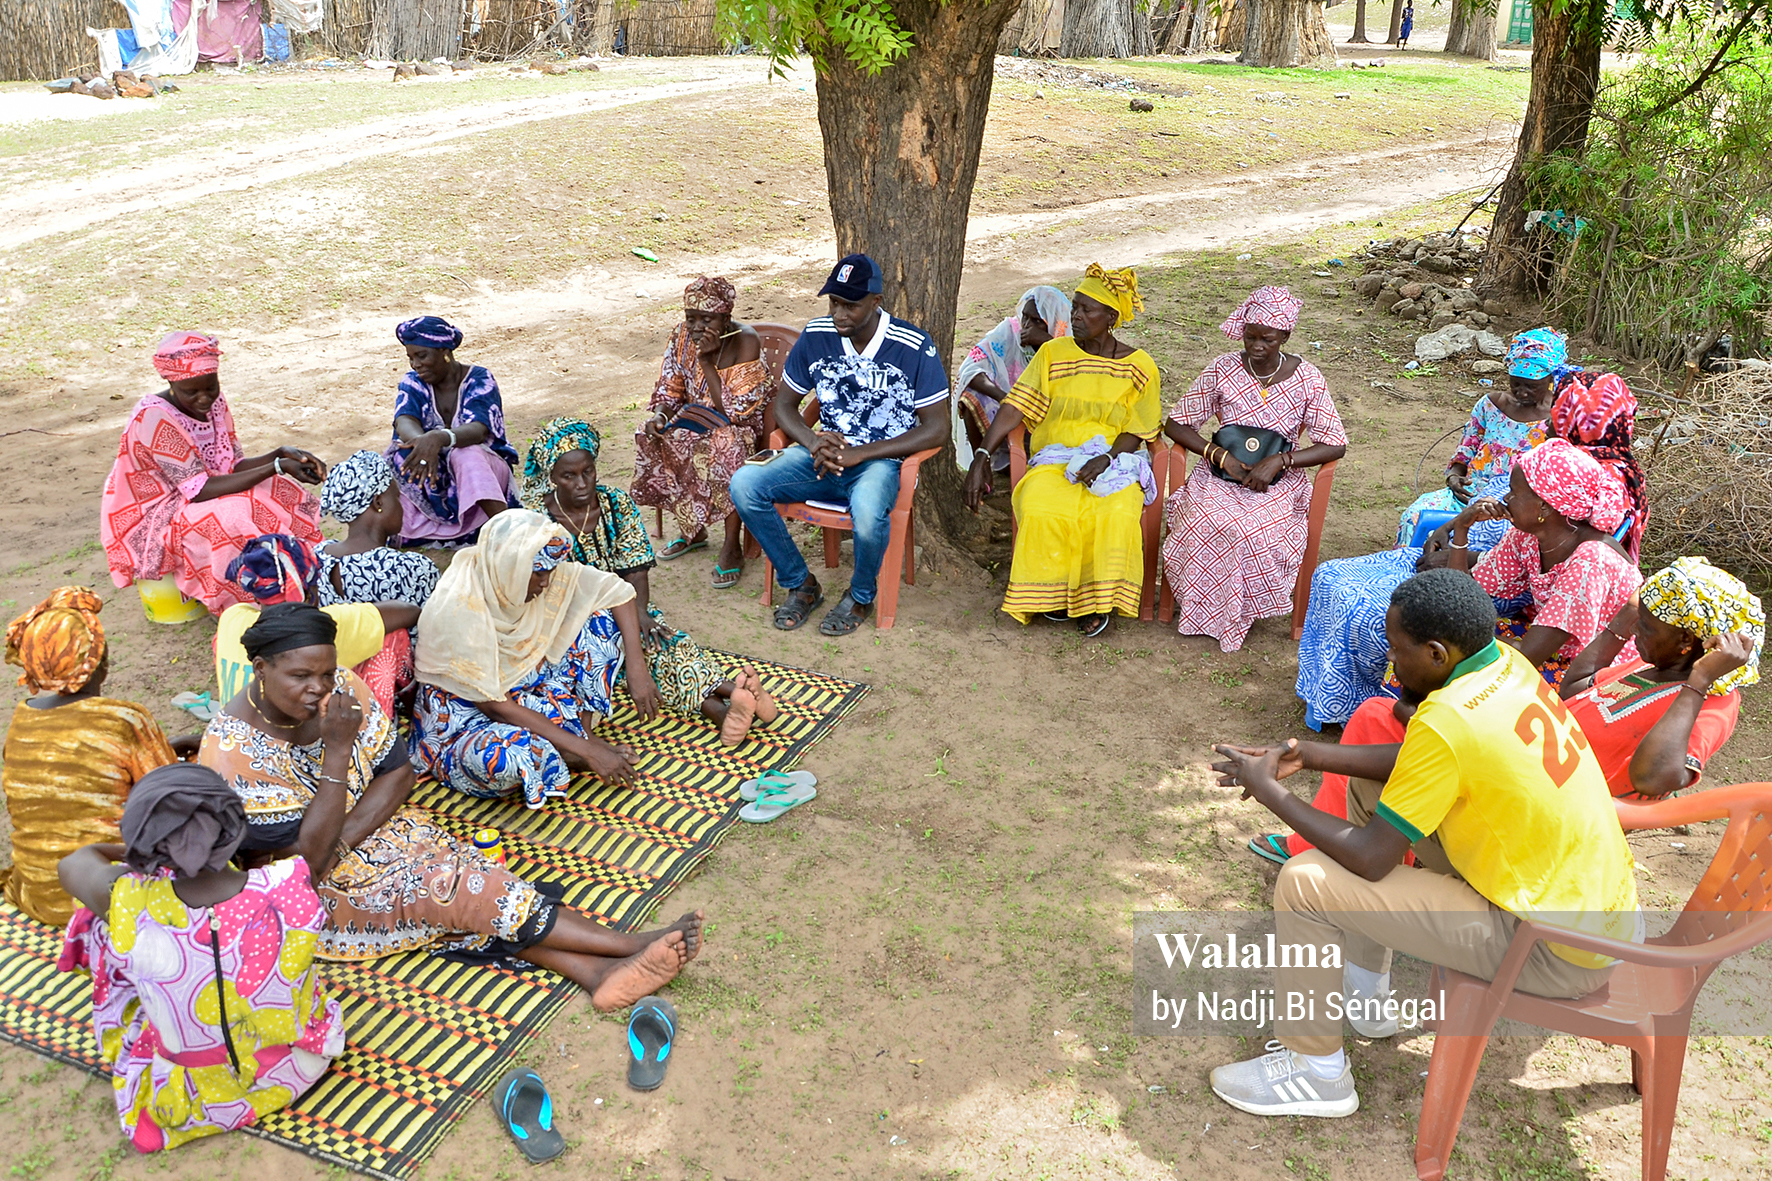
<point x="174" y="937"/>
<point x="324" y="775"/>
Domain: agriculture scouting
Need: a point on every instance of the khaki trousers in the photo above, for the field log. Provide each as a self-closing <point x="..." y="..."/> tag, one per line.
<point x="1426" y="911"/>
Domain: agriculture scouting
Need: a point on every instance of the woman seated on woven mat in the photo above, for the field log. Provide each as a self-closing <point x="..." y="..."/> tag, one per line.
<point x="707" y="419"/>
<point x="1091" y="403"/>
<point x="560" y="482"/>
<point x="996" y="362"/>
<point x="178" y="1071"/>
<point x="519" y="651"/>
<point x="1691" y="626"/>
<point x="183" y="497"/>
<point x="449" y="445"/>
<point x="324" y="775"/>
<point x="72" y="754"/>
<point x="1237" y="529"/>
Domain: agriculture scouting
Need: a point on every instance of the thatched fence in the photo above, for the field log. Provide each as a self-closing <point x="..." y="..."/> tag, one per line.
<point x="45" y="39"/>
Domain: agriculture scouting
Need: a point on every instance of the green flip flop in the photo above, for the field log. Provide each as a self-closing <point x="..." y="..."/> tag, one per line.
<point x="772" y="802"/>
<point x="680" y="547"/>
<point x="726" y="578"/>
<point x="750" y="789"/>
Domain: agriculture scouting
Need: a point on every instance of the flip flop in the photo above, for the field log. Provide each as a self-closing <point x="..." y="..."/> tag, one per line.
<point x="679" y="547"/>
<point x="795" y="611"/>
<point x="786" y="780"/>
<point x="527" y="1110"/>
<point x="774" y="801"/>
<point x="726" y="579"/>
<point x="652" y="1027"/>
<point x="1270" y="846"/>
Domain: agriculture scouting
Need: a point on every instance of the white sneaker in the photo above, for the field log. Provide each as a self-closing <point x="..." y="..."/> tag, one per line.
<point x="1364" y="1012"/>
<point x="1281" y="1082"/>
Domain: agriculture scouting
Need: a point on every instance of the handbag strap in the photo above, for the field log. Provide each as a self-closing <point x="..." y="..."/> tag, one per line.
<point x="221" y="995"/>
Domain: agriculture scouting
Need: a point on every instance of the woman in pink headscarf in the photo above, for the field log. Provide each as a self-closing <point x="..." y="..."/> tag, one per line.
<point x="1237" y="526"/>
<point x="707" y="418"/>
<point x="182" y="499"/>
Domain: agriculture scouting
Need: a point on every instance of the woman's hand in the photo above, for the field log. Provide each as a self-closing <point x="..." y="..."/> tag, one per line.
<point x="1624" y="623"/>
<point x="424" y="456"/>
<point x="1458" y="482"/>
<point x="654" y="426"/>
<point x="643" y="689"/>
<point x="1260" y="477"/>
<point x="1092" y="470"/>
<point x="340" y="719"/>
<point x="1436" y="551"/>
<point x="1483" y="508"/>
<point x="1722" y="656"/>
<point x="612" y="764"/>
<point x="655" y="631"/>
<point x="978" y="481"/>
<point x="302" y="465"/>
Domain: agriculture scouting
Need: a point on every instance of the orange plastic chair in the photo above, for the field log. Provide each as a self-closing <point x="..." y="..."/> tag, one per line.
<point x="901" y="550"/>
<point x="1647" y="1002"/>
<point x="777" y="341"/>
<point x="1313" y="540"/>
<point x="1151" y="522"/>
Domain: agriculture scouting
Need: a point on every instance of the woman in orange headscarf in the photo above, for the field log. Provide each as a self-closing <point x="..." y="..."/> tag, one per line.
<point x="72" y="754"/>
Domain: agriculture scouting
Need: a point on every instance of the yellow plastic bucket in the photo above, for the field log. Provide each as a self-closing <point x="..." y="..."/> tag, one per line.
<point x="163" y="602"/>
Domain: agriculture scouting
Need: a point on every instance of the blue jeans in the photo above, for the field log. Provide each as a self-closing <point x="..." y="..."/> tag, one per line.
<point x="870" y="491"/>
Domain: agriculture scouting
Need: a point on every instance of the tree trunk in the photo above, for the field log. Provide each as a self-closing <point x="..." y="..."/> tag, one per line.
<point x="1359" y="37"/>
<point x="1203" y="35"/>
<point x="904" y="199"/>
<point x="1396" y="22"/>
<point x="1565" y="75"/>
<point x="1285" y="33"/>
<point x="1105" y="28"/>
<point x="1472" y="32"/>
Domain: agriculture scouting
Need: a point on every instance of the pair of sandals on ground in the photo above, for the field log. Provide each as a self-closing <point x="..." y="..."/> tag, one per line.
<point x="527" y="1110"/>
<point x="725" y="578"/>
<point x="804" y="599"/>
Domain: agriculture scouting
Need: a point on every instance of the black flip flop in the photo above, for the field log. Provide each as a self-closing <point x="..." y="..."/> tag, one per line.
<point x="796" y="610"/>
<point x="845" y="617"/>
<point x="1270" y="846"/>
<point x="1091" y="626"/>
<point x="652" y="1029"/>
<point x="527" y="1112"/>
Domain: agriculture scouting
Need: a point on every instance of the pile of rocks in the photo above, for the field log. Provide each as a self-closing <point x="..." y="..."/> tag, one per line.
<point x="1427" y="278"/>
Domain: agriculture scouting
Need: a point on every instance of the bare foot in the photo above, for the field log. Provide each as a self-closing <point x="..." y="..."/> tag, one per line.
<point x="642" y="974"/>
<point x="741" y="710"/>
<point x="690" y="925"/>
<point x="767" y="710"/>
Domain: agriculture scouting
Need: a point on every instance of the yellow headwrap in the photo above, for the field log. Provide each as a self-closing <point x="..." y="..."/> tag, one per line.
<point x="1117" y="289"/>
<point x="59" y="642"/>
<point x="1707" y="602"/>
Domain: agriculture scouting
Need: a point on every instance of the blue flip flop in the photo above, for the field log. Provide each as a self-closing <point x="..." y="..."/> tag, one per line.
<point x="652" y="1029"/>
<point x="527" y="1111"/>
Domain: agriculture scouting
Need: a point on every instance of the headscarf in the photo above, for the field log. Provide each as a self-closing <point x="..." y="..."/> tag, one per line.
<point x="1117" y="289"/>
<point x="1707" y="602"/>
<point x="1575" y="484"/>
<point x="183" y="817"/>
<point x="1273" y="307"/>
<point x="183" y="355"/>
<point x="351" y="485"/>
<point x="1539" y="353"/>
<point x="274" y="568"/>
<point x="478" y="638"/>
<point x="552" y="554"/>
<point x="430" y="332"/>
<point x="558" y="437"/>
<point x="284" y="627"/>
<point x="59" y="642"/>
<point x="1598" y="413"/>
<point x="710" y="293"/>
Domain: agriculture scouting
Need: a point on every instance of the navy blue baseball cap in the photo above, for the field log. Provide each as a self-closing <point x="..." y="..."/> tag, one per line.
<point x="854" y="279"/>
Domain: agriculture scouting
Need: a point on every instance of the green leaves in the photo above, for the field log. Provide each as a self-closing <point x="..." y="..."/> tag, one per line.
<point x="865" y="32"/>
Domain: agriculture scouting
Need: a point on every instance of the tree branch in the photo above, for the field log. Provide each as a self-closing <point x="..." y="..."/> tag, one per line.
<point x="1716" y="63"/>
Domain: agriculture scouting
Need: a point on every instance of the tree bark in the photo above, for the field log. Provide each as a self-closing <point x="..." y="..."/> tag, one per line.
<point x="1565" y="76"/>
<point x="1396" y="22"/>
<point x="1472" y="32"/>
<point x="1105" y="28"/>
<point x="901" y="154"/>
<point x="1286" y="33"/>
<point x="1359" y="37"/>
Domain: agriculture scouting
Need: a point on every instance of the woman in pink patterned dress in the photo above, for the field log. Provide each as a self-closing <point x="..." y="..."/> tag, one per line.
<point x="1236" y="532"/>
<point x="173" y="937"/>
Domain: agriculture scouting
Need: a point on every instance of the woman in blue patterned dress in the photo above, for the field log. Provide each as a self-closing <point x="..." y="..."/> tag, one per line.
<point x="518" y="653"/>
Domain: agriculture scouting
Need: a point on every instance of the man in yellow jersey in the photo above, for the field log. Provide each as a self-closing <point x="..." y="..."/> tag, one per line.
<point x="1509" y="817"/>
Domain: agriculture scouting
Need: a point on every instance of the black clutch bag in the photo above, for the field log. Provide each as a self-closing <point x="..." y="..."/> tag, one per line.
<point x="1248" y="445"/>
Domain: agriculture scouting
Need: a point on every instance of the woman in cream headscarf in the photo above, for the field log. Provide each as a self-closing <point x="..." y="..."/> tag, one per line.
<point x="1091" y="403"/>
<point x="1236" y="530"/>
<point x="517" y="643"/>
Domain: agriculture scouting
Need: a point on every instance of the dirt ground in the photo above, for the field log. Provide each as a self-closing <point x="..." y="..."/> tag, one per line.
<point x="927" y="973"/>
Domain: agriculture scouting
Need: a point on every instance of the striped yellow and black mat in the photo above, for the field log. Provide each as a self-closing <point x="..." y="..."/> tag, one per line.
<point x="427" y="1038"/>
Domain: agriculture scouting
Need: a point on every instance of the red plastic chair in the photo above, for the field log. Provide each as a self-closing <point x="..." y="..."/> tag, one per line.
<point x="901" y="550"/>
<point x="1321" y="484"/>
<point x="777" y="341"/>
<point x="1647" y="1002"/>
<point x="1151" y="522"/>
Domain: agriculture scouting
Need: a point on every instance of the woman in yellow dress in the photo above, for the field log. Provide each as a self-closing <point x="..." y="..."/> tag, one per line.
<point x="1091" y="403"/>
<point x="72" y="754"/>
